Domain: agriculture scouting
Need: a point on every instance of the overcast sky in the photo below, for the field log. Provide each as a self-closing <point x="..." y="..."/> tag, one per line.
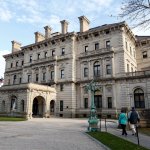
<point x="19" y="19"/>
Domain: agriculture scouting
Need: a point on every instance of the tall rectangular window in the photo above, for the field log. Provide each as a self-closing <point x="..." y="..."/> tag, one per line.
<point x="20" y="80"/>
<point x="61" y="87"/>
<point x="22" y="63"/>
<point x="126" y="46"/>
<point x="107" y="44"/>
<point x="53" y="52"/>
<point x="63" y="51"/>
<point x="44" y="76"/>
<point x="14" y="79"/>
<point x="96" y="46"/>
<point x="52" y="75"/>
<point x="11" y="65"/>
<point x="61" y="105"/>
<point x="86" y="48"/>
<point x="37" y="77"/>
<point x="62" y="74"/>
<point x="29" y="78"/>
<point x="30" y="59"/>
<point x="17" y="64"/>
<point x="98" y="101"/>
<point x="108" y="69"/>
<point x="38" y="56"/>
<point x="45" y="54"/>
<point x="127" y="67"/>
<point x="85" y="102"/>
<point x="85" y="72"/>
<point x="109" y="102"/>
<point x="145" y="54"/>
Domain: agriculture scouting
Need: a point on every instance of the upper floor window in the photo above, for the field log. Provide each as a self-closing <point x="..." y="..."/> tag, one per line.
<point x="126" y="46"/>
<point x="62" y="74"/>
<point x="96" y="46"/>
<point x="17" y="64"/>
<point x="107" y="44"/>
<point x="22" y="63"/>
<point x="96" y="69"/>
<point x="45" y="54"/>
<point x="86" y="48"/>
<point x="85" y="72"/>
<point x="52" y="75"/>
<point x="20" y="80"/>
<point x="30" y="59"/>
<point x="14" y="79"/>
<point x="37" y="77"/>
<point x="63" y="51"/>
<point x="108" y="69"/>
<point x="38" y="56"/>
<point x="11" y="65"/>
<point x="29" y="78"/>
<point x="53" y="52"/>
<point x="44" y="76"/>
<point x="61" y="87"/>
<point x="127" y="67"/>
<point x="85" y="102"/>
<point x="61" y="105"/>
<point x="145" y="54"/>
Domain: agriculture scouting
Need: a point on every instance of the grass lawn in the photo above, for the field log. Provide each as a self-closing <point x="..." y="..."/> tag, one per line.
<point x="12" y="119"/>
<point x="145" y="131"/>
<point x="114" y="142"/>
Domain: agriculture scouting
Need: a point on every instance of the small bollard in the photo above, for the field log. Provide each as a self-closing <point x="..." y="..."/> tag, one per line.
<point x="137" y="134"/>
<point x="105" y="125"/>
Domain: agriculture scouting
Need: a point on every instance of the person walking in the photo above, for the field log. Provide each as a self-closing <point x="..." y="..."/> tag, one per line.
<point x="123" y="121"/>
<point x="133" y="118"/>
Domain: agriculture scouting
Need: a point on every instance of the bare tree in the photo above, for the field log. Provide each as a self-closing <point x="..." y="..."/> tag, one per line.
<point x="137" y="12"/>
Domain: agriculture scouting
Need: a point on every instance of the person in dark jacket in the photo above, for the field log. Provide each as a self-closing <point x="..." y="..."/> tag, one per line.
<point x="123" y="121"/>
<point x="133" y="118"/>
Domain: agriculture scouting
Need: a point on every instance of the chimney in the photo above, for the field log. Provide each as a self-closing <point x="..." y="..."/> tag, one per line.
<point x="16" y="46"/>
<point x="39" y="37"/>
<point x="84" y="23"/>
<point x="47" y="32"/>
<point x="64" y="26"/>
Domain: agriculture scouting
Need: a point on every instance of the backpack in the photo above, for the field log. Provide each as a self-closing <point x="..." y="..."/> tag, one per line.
<point x="133" y="117"/>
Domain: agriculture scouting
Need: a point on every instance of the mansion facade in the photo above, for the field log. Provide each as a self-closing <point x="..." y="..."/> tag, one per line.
<point x="48" y="78"/>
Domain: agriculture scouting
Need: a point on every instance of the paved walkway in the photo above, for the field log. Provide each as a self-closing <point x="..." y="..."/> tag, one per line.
<point x="144" y="140"/>
<point x="46" y="134"/>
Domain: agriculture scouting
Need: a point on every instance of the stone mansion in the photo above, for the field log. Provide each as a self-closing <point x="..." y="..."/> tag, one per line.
<point x="48" y="78"/>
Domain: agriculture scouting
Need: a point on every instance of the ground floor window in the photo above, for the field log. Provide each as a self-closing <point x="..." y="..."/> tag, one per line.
<point x="109" y="102"/>
<point x="139" y="101"/>
<point x="98" y="101"/>
<point x="61" y="105"/>
<point x="85" y="102"/>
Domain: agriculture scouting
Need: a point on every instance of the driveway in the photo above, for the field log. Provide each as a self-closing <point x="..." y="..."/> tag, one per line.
<point x="46" y="134"/>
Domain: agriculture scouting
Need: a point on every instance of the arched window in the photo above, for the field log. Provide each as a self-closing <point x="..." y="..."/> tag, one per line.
<point x="13" y="103"/>
<point x="96" y="69"/>
<point x="139" y="98"/>
<point x="3" y="106"/>
<point x="22" y="106"/>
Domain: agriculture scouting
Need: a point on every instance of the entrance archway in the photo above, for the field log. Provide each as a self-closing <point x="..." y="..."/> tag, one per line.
<point x="38" y="107"/>
<point x="52" y="107"/>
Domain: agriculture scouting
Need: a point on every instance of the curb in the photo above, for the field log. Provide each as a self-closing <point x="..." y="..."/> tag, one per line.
<point x="98" y="142"/>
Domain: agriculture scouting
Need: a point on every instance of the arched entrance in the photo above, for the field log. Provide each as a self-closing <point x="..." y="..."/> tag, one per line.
<point x="52" y="107"/>
<point x="38" y="107"/>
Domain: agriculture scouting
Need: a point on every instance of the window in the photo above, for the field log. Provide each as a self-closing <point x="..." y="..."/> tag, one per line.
<point x="96" y="68"/>
<point x="85" y="72"/>
<point x="53" y="52"/>
<point x="37" y="77"/>
<point x="126" y="46"/>
<point x="14" y="80"/>
<point x="108" y="69"/>
<point x="85" y="102"/>
<point x="86" y="48"/>
<point x="96" y="46"/>
<point x="139" y="101"/>
<point x="20" y="80"/>
<point x="11" y="65"/>
<point x="62" y="74"/>
<point x="17" y="64"/>
<point x="61" y="105"/>
<point x="145" y="54"/>
<point x="107" y="44"/>
<point x="29" y="78"/>
<point x="109" y="102"/>
<point x="45" y="54"/>
<point x="52" y="75"/>
<point x="44" y="76"/>
<point x="30" y="59"/>
<point x="22" y="106"/>
<point x="13" y="103"/>
<point x="98" y="101"/>
<point x="63" y="51"/>
<point x="22" y="63"/>
<point x="38" y="56"/>
<point x="61" y="87"/>
<point x="130" y="51"/>
<point x="127" y="67"/>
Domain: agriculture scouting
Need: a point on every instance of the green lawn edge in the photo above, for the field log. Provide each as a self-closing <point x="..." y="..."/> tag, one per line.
<point x="12" y="119"/>
<point x="114" y="142"/>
